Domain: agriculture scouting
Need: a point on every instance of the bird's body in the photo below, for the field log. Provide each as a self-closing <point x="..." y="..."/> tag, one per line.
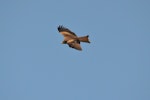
<point x="71" y="38"/>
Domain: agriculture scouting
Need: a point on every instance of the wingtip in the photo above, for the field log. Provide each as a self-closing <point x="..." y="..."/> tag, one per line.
<point x="80" y="49"/>
<point x="60" y="27"/>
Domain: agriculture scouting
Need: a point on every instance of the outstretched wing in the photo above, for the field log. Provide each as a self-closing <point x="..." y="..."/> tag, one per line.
<point x="68" y="34"/>
<point x="75" y="45"/>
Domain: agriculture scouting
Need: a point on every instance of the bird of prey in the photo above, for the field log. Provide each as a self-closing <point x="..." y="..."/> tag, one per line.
<point x="71" y="38"/>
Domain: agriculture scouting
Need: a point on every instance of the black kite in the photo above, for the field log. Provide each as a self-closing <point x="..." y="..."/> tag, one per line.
<point x="71" y="38"/>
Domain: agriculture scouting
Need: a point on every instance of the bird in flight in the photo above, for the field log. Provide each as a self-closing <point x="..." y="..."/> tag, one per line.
<point x="71" y="38"/>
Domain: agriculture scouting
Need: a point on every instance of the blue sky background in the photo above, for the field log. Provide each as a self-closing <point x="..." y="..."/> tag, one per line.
<point x="34" y="65"/>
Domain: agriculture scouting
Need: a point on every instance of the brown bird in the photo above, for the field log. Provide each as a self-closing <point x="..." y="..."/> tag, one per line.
<point x="71" y="38"/>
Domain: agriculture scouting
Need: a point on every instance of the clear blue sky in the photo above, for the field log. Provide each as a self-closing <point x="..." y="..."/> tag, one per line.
<point x="34" y="65"/>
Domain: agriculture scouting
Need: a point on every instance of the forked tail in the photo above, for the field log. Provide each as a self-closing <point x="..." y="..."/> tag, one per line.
<point x="84" y="39"/>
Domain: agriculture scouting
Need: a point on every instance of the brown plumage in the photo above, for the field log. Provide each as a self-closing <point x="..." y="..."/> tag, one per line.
<point x="71" y="38"/>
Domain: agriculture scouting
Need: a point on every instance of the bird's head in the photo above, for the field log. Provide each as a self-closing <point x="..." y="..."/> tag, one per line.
<point x="64" y="42"/>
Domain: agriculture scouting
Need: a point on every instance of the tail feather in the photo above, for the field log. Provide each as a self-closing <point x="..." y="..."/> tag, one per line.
<point x="84" y="39"/>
